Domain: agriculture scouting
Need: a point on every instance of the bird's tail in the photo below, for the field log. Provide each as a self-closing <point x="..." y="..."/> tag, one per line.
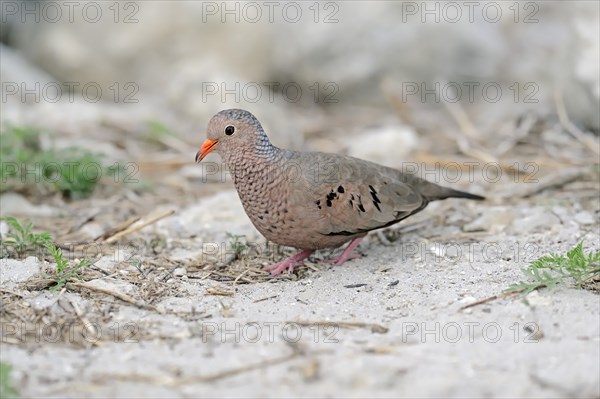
<point x="434" y="192"/>
<point x="451" y="193"/>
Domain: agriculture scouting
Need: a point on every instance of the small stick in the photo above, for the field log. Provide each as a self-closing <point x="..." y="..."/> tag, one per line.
<point x="117" y="229"/>
<point x="556" y="179"/>
<point x="468" y="130"/>
<point x="570" y="127"/>
<point x="197" y="379"/>
<point x="10" y="340"/>
<point x="240" y="276"/>
<point x="490" y="299"/>
<point x="377" y="328"/>
<point x="12" y="292"/>
<point x="135" y="227"/>
<point x="461" y="117"/>
<point x="212" y="291"/>
<point x="234" y="371"/>
<point x="226" y="275"/>
<point x="265" y="298"/>
<point x="124" y="297"/>
<point x="88" y="326"/>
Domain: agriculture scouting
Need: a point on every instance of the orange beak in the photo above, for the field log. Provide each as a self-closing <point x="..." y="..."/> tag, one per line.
<point x="206" y="148"/>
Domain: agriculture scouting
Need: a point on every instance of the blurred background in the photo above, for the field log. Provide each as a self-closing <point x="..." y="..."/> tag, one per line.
<point x="104" y="105"/>
<point x="387" y="81"/>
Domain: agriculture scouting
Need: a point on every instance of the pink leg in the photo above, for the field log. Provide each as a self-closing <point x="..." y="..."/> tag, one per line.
<point x="289" y="263"/>
<point x="347" y="254"/>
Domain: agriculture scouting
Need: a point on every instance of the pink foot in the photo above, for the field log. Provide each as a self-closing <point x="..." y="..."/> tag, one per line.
<point x="289" y="263"/>
<point x="347" y="254"/>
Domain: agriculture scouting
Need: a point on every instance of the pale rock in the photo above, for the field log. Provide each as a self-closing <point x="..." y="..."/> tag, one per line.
<point x="387" y="145"/>
<point x="493" y="219"/>
<point x="3" y="229"/>
<point x="584" y="217"/>
<point x="534" y="219"/>
<point x="179" y="272"/>
<point x="15" y="204"/>
<point x="536" y="300"/>
<point x="13" y="271"/>
<point x="120" y="286"/>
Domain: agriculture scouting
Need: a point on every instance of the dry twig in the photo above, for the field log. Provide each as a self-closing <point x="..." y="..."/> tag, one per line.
<point x="376" y="328"/>
<point x="489" y="299"/>
<point x="589" y="141"/>
<point x="138" y="225"/>
<point x="124" y="297"/>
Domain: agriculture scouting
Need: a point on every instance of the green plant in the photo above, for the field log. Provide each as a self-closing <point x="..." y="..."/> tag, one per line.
<point x="64" y="272"/>
<point x="22" y="239"/>
<point x="157" y="129"/>
<point x="6" y="388"/>
<point x="73" y="171"/>
<point x="236" y="244"/>
<point x="575" y="267"/>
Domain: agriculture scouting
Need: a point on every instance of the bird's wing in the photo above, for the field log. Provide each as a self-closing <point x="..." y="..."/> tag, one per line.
<point x="352" y="196"/>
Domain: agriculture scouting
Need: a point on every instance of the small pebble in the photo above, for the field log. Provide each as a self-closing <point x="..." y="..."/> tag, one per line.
<point x="179" y="272"/>
<point x="584" y="217"/>
<point x="3" y="229"/>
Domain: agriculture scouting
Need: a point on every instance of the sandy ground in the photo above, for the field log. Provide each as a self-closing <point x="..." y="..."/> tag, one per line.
<point x="389" y="324"/>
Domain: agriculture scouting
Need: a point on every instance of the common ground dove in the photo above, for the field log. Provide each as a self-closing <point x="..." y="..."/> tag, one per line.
<point x="313" y="200"/>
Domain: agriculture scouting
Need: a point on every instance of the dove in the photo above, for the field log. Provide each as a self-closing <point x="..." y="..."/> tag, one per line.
<point x="313" y="200"/>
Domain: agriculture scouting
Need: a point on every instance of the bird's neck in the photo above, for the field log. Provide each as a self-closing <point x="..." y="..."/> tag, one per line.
<point x="261" y="160"/>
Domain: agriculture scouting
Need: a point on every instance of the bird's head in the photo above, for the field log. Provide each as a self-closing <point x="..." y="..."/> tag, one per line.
<point x="232" y="130"/>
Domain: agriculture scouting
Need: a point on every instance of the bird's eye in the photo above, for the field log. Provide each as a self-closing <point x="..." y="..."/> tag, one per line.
<point x="229" y="130"/>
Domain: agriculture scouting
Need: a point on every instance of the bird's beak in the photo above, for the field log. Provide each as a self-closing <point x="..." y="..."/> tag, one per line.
<point x="207" y="147"/>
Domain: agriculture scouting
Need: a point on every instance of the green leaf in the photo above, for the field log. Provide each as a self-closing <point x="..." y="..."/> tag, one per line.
<point x="6" y="388"/>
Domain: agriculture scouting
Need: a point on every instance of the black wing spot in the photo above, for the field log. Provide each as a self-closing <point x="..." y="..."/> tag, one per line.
<point x="329" y="203"/>
<point x="340" y="190"/>
<point x="351" y="204"/>
<point x="341" y="233"/>
<point x="361" y="208"/>
<point x="375" y="198"/>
